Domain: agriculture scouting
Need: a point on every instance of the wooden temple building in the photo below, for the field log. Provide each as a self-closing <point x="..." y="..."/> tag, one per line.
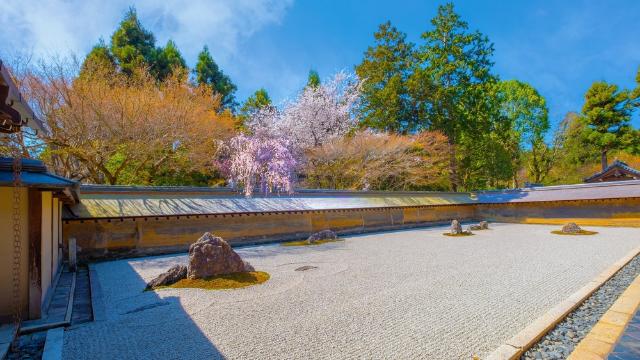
<point x="31" y="201"/>
<point x="617" y="171"/>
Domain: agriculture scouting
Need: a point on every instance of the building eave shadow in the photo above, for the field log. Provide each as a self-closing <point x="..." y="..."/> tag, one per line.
<point x="138" y="324"/>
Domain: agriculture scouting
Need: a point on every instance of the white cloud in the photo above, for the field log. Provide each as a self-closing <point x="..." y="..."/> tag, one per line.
<point x="48" y="27"/>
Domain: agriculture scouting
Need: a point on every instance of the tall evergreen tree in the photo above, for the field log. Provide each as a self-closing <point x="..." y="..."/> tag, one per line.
<point x="169" y="59"/>
<point x="99" y="59"/>
<point x="313" y="80"/>
<point x="255" y="102"/>
<point x="607" y="112"/>
<point x="208" y="73"/>
<point x="452" y="81"/>
<point x="385" y="70"/>
<point x="132" y="45"/>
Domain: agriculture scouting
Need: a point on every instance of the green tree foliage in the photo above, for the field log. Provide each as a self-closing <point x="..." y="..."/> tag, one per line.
<point x="452" y="81"/>
<point x="255" y="102"/>
<point x="607" y="112"/>
<point x="525" y="115"/>
<point x="169" y="59"/>
<point x="385" y="70"/>
<point x="571" y="151"/>
<point x="98" y="59"/>
<point x="132" y="45"/>
<point x="313" y="80"/>
<point x="208" y="73"/>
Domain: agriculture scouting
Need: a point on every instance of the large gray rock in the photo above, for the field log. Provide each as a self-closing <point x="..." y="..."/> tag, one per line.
<point x="171" y="276"/>
<point x="322" y="235"/>
<point x="456" y="228"/>
<point x="211" y="256"/>
<point x="571" y="228"/>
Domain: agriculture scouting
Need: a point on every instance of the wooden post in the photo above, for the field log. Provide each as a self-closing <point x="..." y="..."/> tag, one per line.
<point x="35" y="253"/>
<point x="72" y="254"/>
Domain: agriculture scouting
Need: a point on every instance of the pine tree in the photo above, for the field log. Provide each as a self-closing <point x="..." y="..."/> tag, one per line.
<point x="385" y="70"/>
<point x="313" y="80"/>
<point x="607" y="111"/>
<point x="452" y="81"/>
<point x="255" y="102"/>
<point x="208" y="73"/>
<point x="169" y="59"/>
<point x="99" y="59"/>
<point x="132" y="45"/>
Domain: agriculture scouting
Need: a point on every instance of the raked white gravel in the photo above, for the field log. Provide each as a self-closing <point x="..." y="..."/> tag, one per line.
<point x="412" y="294"/>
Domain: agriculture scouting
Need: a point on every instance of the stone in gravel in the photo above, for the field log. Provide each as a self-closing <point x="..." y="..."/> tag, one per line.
<point x="322" y="235"/>
<point x="571" y="334"/>
<point x="306" y="267"/>
<point x="211" y="256"/>
<point x="571" y="228"/>
<point x="171" y="276"/>
<point x="456" y="228"/>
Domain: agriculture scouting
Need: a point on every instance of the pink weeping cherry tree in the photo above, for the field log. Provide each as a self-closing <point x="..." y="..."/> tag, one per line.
<point x="258" y="162"/>
<point x="267" y="158"/>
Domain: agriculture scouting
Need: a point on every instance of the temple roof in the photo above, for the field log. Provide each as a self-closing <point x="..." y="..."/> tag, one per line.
<point x="34" y="174"/>
<point x="618" y="170"/>
<point x="14" y="110"/>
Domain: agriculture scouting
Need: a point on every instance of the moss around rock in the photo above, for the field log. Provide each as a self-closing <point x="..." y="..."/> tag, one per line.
<point x="580" y="232"/>
<point x="459" y="234"/>
<point x="573" y="229"/>
<point x="221" y="282"/>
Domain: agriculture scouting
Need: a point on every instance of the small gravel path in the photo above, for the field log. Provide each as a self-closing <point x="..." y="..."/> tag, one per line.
<point x="561" y="341"/>
<point x="401" y="294"/>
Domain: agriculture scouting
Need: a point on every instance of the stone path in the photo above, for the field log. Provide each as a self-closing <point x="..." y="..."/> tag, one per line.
<point x="401" y="294"/>
<point x="628" y="347"/>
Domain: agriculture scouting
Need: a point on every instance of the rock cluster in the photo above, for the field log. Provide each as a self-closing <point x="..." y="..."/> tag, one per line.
<point x="560" y="342"/>
<point x="322" y="235"/>
<point x="571" y="228"/>
<point x="209" y="256"/>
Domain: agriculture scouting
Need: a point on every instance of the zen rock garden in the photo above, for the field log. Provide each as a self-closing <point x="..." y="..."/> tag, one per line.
<point x="212" y="257"/>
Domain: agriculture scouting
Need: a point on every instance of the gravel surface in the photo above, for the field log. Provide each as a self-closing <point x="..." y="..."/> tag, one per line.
<point x="560" y="341"/>
<point x="401" y="294"/>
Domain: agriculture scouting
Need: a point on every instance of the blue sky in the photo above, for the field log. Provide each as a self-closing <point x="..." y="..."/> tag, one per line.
<point x="559" y="47"/>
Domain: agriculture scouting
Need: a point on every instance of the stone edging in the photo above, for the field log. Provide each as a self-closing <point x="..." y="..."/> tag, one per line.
<point x="53" y="344"/>
<point x="97" y="298"/>
<point x="522" y="341"/>
<point x="605" y="333"/>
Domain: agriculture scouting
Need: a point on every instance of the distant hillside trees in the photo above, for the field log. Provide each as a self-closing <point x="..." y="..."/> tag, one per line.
<point x="444" y="84"/>
<point x="133" y="47"/>
<point x="109" y="129"/>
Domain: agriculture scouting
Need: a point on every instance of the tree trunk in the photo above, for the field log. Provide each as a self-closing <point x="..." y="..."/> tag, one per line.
<point x="603" y="159"/>
<point x="453" y="166"/>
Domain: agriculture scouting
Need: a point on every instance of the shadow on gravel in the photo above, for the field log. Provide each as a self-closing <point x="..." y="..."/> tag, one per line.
<point x="142" y="326"/>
